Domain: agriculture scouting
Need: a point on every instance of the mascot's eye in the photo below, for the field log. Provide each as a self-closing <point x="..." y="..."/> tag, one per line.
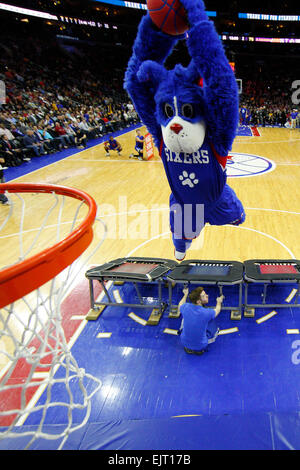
<point x="187" y="110"/>
<point x="168" y="110"/>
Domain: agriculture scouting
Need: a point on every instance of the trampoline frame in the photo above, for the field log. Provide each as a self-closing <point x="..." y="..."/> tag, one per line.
<point x="204" y="281"/>
<point x="268" y="280"/>
<point x="170" y="271"/>
<point x="102" y="273"/>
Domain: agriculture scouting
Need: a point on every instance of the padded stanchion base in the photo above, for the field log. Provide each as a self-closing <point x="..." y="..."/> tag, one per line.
<point x="173" y="313"/>
<point x="236" y="314"/>
<point x="94" y="313"/>
<point x="156" y="315"/>
<point x="249" y="312"/>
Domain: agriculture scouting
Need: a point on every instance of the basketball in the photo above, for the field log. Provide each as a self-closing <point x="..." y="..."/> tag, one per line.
<point x="168" y="15"/>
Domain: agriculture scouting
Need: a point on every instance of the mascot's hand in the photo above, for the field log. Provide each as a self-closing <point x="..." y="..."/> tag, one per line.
<point x="195" y="10"/>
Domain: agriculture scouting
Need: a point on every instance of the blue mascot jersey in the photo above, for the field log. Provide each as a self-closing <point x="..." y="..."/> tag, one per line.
<point x="196" y="178"/>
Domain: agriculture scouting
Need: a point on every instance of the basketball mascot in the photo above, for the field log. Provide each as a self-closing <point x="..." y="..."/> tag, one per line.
<point x="192" y="114"/>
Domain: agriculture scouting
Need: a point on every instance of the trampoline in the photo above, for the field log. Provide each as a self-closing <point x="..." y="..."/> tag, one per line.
<point x="271" y="272"/>
<point x="133" y="270"/>
<point x="209" y="272"/>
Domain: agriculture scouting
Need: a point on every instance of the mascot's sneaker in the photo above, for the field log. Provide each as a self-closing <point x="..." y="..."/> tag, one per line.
<point x="179" y="255"/>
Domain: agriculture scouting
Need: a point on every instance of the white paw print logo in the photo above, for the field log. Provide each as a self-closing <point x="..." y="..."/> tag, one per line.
<point x="188" y="179"/>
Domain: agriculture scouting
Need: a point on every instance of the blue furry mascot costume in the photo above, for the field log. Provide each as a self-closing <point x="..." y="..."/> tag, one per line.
<point x="192" y="114"/>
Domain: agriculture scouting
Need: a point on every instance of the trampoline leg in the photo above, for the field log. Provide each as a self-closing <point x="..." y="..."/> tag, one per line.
<point x="173" y="309"/>
<point x="246" y="294"/>
<point x="92" y="298"/>
<point x="170" y="290"/>
<point x="249" y="312"/>
<point x="264" y="294"/>
<point x="240" y="296"/>
<point x="156" y="313"/>
<point x="138" y="293"/>
<point x="94" y="311"/>
<point x="160" y="297"/>
<point x="106" y="291"/>
<point x="297" y="294"/>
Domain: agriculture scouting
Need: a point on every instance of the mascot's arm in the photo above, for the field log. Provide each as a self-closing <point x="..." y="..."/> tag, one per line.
<point x="219" y="87"/>
<point x="149" y="45"/>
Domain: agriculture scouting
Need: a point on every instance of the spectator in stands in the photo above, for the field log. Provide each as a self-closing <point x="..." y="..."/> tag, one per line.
<point x="95" y="126"/>
<point x="3" y="198"/>
<point x="60" y="140"/>
<point x="52" y="89"/>
<point x="80" y="138"/>
<point x="52" y="139"/>
<point x="5" y="131"/>
<point x="16" y="132"/>
<point x="32" y="142"/>
<point x="11" y="155"/>
<point x="69" y="131"/>
<point x="61" y="132"/>
<point x="46" y="142"/>
<point x="82" y="124"/>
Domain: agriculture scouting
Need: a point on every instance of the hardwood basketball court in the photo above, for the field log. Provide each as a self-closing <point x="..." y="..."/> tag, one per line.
<point x="132" y="198"/>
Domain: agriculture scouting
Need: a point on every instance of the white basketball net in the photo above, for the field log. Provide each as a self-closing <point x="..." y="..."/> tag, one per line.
<point x="32" y="338"/>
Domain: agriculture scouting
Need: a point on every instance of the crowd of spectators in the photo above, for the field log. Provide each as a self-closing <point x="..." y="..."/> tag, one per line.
<point x="268" y="102"/>
<point x="52" y="106"/>
<point x="42" y="127"/>
<point x="58" y="98"/>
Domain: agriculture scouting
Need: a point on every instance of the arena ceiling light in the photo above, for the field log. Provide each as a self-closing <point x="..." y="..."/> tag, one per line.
<point x="27" y="12"/>
<point x="228" y="37"/>
<point x="138" y="6"/>
<point x="270" y="17"/>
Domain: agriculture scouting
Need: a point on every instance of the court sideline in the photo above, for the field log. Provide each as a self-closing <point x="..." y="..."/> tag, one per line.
<point x="132" y="201"/>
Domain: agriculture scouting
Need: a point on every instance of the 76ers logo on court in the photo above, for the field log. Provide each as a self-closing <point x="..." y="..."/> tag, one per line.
<point x="245" y="164"/>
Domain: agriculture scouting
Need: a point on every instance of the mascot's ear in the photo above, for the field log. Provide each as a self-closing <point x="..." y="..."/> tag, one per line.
<point x="151" y="71"/>
<point x="192" y="74"/>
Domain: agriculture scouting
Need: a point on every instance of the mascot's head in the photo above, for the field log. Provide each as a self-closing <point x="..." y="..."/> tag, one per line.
<point x="180" y="108"/>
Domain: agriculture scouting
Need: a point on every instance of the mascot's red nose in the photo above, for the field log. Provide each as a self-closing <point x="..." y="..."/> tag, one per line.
<point x="176" y="128"/>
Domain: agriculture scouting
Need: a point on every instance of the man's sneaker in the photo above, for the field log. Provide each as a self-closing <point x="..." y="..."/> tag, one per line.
<point x="131" y="155"/>
<point x="107" y="154"/>
<point x="191" y="351"/>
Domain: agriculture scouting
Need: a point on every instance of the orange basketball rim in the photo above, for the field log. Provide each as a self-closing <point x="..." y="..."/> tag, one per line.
<point x="20" y="279"/>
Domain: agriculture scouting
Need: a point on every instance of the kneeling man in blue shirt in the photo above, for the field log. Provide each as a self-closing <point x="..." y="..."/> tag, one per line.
<point x="198" y="327"/>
